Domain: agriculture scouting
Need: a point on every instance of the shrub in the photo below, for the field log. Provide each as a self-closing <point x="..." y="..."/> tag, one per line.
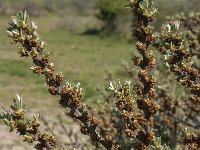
<point x="136" y="121"/>
<point x="108" y="13"/>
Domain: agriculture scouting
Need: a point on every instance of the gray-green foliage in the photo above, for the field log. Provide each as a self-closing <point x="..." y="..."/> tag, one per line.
<point x="109" y="11"/>
<point x="157" y="145"/>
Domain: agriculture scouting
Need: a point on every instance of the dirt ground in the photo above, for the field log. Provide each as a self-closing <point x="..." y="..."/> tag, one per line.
<point x="67" y="133"/>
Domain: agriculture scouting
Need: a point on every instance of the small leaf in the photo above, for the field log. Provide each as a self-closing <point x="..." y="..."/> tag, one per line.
<point x="167" y="28"/>
<point x="25" y="16"/>
<point x="24" y="107"/>
<point x="175" y="26"/>
<point x="9" y="33"/>
<point x="14" y="20"/>
<point x="2" y="116"/>
<point x="13" y="107"/>
<point x="34" y="25"/>
<point x="18" y="97"/>
<point x="6" y="122"/>
<point x="15" y="32"/>
<point x="20" y="15"/>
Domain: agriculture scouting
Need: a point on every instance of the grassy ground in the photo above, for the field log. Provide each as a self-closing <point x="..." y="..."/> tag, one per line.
<point x="81" y="58"/>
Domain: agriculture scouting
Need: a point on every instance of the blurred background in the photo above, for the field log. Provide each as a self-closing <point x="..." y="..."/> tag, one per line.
<point x="88" y="41"/>
<point x="90" y="15"/>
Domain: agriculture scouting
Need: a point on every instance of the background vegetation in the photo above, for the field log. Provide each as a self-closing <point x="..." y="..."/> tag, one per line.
<point x="75" y="33"/>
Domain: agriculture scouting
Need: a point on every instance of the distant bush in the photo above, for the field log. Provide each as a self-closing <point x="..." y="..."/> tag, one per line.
<point x="108" y="13"/>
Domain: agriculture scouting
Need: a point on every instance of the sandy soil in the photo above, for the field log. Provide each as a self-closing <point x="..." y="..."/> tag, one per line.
<point x="67" y="133"/>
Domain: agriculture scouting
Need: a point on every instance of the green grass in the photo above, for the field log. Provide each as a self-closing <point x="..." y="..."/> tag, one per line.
<point x="81" y="58"/>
